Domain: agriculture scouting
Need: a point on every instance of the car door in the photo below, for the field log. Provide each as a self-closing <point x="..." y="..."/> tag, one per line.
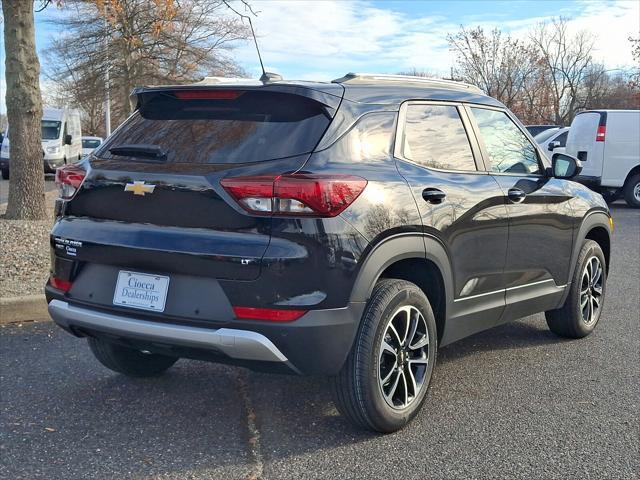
<point x="460" y="204"/>
<point x="540" y="215"/>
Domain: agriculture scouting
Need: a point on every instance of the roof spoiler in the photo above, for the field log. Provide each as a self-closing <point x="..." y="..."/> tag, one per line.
<point x="329" y="102"/>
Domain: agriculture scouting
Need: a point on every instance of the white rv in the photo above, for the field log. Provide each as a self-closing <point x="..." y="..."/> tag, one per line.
<point x="61" y="140"/>
<point x="607" y="142"/>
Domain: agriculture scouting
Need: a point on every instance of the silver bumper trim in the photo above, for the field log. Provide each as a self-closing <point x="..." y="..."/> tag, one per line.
<point x="239" y="344"/>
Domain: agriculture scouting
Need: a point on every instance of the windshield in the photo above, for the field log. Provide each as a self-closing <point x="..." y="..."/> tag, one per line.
<point x="543" y="136"/>
<point x="252" y="126"/>
<point x="90" y="143"/>
<point x="50" y="130"/>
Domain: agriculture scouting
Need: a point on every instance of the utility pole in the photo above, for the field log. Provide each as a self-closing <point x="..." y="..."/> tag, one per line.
<point x="107" y="97"/>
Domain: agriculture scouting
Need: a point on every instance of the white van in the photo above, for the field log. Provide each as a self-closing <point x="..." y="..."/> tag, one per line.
<point x="61" y="140"/>
<point x="607" y="142"/>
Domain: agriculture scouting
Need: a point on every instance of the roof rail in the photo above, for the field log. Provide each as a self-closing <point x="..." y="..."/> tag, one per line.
<point x="407" y="78"/>
<point x="216" y="80"/>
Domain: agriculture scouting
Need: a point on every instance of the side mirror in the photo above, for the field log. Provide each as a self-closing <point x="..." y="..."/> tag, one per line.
<point x="565" y="166"/>
<point x="67" y="139"/>
<point x="553" y="145"/>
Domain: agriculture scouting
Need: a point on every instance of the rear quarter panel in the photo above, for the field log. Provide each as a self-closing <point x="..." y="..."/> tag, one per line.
<point x="621" y="147"/>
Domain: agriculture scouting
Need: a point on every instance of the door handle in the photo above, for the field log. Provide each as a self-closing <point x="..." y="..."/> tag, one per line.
<point x="516" y="195"/>
<point x="433" y="195"/>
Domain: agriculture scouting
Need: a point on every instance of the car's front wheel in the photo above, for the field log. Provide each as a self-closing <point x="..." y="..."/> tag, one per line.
<point x="385" y="378"/>
<point x="582" y="309"/>
<point x="129" y="361"/>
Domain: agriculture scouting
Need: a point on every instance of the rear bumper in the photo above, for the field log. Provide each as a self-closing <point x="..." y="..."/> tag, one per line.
<point x="316" y="344"/>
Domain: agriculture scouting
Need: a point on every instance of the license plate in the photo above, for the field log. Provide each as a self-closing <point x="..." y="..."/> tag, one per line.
<point x="141" y="290"/>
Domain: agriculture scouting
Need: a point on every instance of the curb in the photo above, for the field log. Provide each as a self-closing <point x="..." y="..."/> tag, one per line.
<point x="23" y="309"/>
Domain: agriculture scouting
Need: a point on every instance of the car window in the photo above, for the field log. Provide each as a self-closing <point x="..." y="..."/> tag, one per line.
<point x="510" y="151"/>
<point x="434" y="136"/>
<point x="90" y="143"/>
<point x="562" y="139"/>
<point x="544" y="136"/>
<point x="50" y="130"/>
<point x="250" y="126"/>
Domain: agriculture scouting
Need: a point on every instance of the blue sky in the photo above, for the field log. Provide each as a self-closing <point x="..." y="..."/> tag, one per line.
<point x="323" y="39"/>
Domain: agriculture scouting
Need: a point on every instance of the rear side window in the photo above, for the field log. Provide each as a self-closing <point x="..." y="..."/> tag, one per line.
<point x="562" y="138"/>
<point x="510" y="151"/>
<point x="248" y="126"/>
<point x="434" y="136"/>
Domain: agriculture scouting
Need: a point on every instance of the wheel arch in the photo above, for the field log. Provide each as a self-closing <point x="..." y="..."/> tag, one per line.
<point x="594" y="226"/>
<point x="635" y="170"/>
<point x="418" y="258"/>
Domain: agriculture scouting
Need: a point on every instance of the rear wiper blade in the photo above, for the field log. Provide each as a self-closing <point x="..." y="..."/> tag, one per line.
<point x="139" y="150"/>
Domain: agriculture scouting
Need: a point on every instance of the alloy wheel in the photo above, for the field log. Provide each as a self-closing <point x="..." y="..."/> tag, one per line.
<point x="403" y="357"/>
<point x="591" y="290"/>
<point x="636" y="191"/>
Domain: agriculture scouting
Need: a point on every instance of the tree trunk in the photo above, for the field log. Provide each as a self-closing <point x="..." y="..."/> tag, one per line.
<point x="24" y="113"/>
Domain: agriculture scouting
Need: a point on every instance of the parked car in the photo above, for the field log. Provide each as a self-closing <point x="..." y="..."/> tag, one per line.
<point x="61" y="140"/>
<point x="536" y="129"/>
<point x="607" y="142"/>
<point x="346" y="229"/>
<point x="553" y="140"/>
<point x="89" y="144"/>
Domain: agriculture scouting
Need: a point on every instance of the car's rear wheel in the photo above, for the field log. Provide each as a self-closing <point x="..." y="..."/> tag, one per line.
<point x="385" y="378"/>
<point x="581" y="311"/>
<point x="632" y="191"/>
<point x="129" y="361"/>
<point x="5" y="174"/>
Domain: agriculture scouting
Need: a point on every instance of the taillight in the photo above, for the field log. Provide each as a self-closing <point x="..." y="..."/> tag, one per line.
<point x="267" y="314"/>
<point x="68" y="179"/>
<point x="600" y="134"/>
<point x="60" y="284"/>
<point x="296" y="194"/>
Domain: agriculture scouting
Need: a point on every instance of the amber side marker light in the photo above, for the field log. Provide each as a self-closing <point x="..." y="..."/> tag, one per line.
<point x="611" y="224"/>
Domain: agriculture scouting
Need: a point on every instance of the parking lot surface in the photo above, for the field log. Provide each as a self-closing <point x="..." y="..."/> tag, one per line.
<point x="512" y="402"/>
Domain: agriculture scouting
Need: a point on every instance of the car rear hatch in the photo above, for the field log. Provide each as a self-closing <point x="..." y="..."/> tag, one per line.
<point x="586" y="141"/>
<point x="152" y="200"/>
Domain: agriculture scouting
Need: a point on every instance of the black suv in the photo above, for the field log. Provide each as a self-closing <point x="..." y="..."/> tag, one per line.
<point x="345" y="229"/>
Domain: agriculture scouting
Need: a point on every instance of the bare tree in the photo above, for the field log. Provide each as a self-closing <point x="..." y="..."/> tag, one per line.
<point x="414" y="72"/>
<point x="500" y="65"/>
<point x="24" y="112"/>
<point x="146" y="43"/>
<point x="635" y="52"/>
<point x="567" y="61"/>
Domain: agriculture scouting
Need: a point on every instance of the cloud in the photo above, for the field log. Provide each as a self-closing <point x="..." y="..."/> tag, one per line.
<point x="330" y="38"/>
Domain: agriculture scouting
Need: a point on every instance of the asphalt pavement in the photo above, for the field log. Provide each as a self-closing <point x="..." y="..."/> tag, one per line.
<point x="513" y="402"/>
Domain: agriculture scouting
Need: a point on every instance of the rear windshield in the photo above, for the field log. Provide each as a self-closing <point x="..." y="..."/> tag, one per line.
<point x="252" y="126"/>
<point x="86" y="143"/>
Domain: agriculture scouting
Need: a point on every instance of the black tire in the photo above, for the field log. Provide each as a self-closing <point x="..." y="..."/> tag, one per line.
<point x="569" y="320"/>
<point x="357" y="389"/>
<point x="129" y="361"/>
<point x="631" y="191"/>
<point x="5" y="174"/>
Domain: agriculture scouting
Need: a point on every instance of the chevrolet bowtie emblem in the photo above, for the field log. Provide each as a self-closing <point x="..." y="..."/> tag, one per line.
<point x="139" y="188"/>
